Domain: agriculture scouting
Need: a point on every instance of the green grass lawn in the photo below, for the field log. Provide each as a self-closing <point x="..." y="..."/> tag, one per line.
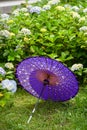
<point x="71" y="115"/>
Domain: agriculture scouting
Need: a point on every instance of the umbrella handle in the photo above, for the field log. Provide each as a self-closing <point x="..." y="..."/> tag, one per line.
<point x="30" y="117"/>
<point x="34" y="109"/>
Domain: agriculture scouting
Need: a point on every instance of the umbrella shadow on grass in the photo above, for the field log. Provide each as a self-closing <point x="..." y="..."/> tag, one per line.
<point x="48" y="112"/>
<point x="49" y="107"/>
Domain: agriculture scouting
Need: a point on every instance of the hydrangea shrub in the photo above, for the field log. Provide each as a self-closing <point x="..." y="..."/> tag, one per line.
<point x="51" y="28"/>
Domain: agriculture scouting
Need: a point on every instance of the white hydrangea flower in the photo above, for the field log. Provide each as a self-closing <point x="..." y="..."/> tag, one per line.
<point x="82" y="19"/>
<point x="2" y="71"/>
<point x="4" y="16"/>
<point x="85" y="10"/>
<point x="53" y="2"/>
<point x="26" y="14"/>
<point x="77" y="67"/>
<point x="29" y="7"/>
<point x="35" y="9"/>
<point x="33" y="1"/>
<point x="46" y="7"/>
<point x="75" y="8"/>
<point x="5" y="33"/>
<point x="9" y="65"/>
<point x="25" y="31"/>
<point x="84" y="28"/>
<point x="75" y="14"/>
<point x="16" y="12"/>
<point x="24" y="9"/>
<point x="10" y="85"/>
<point x="68" y="6"/>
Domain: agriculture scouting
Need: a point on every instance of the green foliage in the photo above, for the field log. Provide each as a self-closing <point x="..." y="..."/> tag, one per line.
<point x="55" y="33"/>
<point x="5" y="97"/>
<point x="61" y="36"/>
<point x="5" y="94"/>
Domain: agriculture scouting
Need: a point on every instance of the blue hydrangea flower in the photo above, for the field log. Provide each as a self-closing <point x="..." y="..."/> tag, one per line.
<point x="35" y="9"/>
<point x="10" y="85"/>
<point x="2" y="71"/>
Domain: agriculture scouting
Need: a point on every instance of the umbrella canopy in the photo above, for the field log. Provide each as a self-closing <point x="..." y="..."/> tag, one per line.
<point x="47" y="78"/>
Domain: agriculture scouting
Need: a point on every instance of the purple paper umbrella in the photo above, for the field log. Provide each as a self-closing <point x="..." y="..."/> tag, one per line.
<point x="46" y="78"/>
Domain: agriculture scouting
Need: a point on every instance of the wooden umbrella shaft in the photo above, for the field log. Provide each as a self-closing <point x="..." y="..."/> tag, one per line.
<point x="34" y="109"/>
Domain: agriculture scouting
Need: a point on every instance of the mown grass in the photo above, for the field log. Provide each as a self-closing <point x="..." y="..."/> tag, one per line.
<point x="71" y="115"/>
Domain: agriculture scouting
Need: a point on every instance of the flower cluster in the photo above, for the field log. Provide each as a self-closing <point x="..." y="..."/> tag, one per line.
<point x="35" y="9"/>
<point x="75" y="8"/>
<point x="2" y="71"/>
<point x="75" y="14"/>
<point x="53" y="2"/>
<point x="85" y="10"/>
<point x="19" y="10"/>
<point x="25" y="31"/>
<point x="5" y="33"/>
<point x="10" y="85"/>
<point x="16" y="12"/>
<point x="84" y="28"/>
<point x="82" y="19"/>
<point x="9" y="65"/>
<point x="77" y="67"/>
<point x="23" y="10"/>
<point x="4" y="16"/>
<point x="60" y="8"/>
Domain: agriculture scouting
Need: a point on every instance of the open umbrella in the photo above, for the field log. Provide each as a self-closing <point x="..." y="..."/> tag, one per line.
<point x="46" y="78"/>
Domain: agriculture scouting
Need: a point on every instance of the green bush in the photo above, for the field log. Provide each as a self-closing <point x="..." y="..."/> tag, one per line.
<point x="60" y="32"/>
<point x="61" y="39"/>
